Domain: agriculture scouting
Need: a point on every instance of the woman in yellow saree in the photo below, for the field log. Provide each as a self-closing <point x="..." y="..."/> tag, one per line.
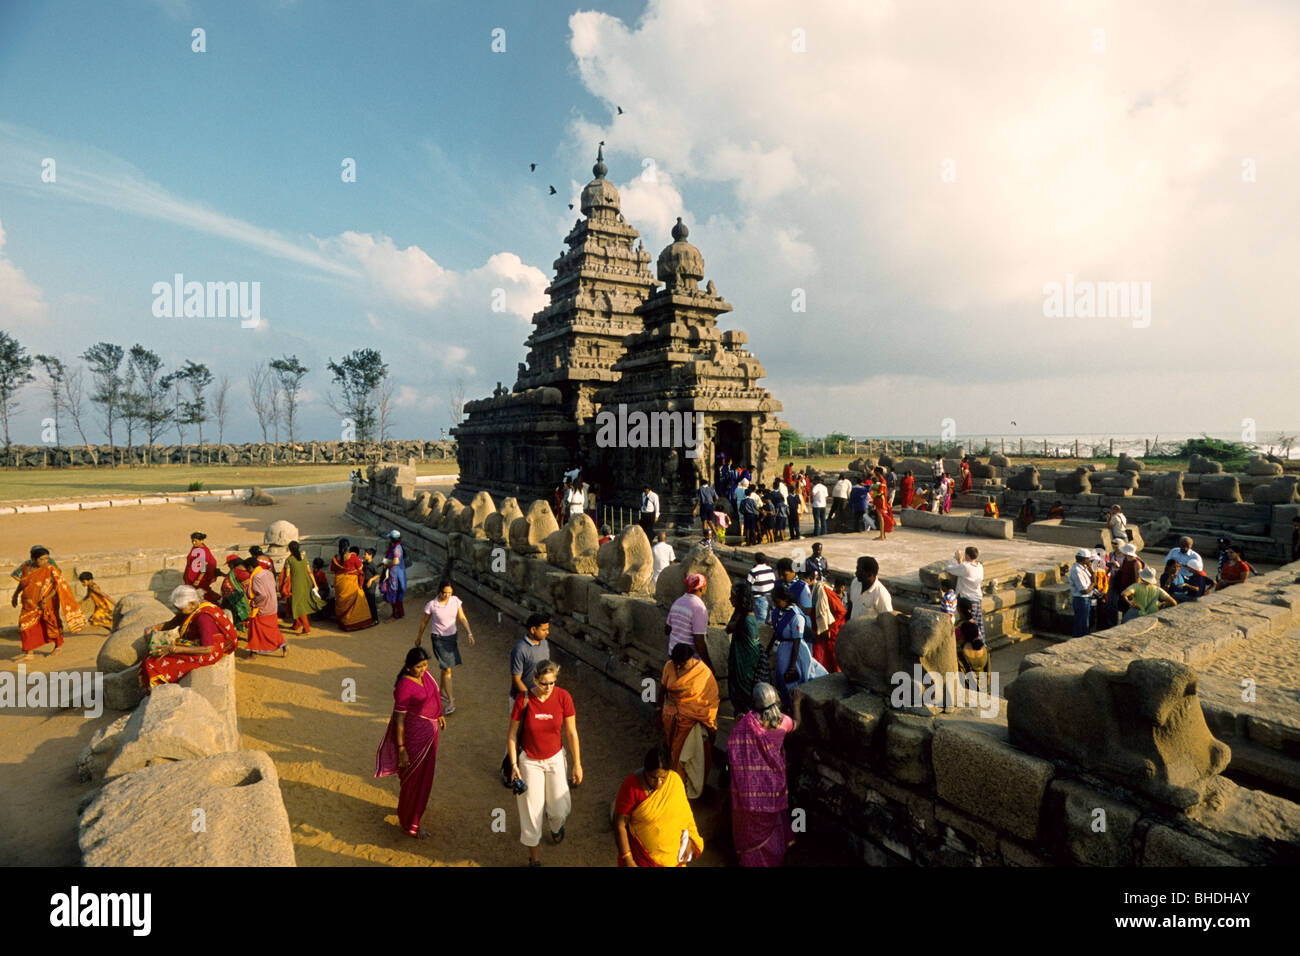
<point x="689" y="716"/>
<point x="351" y="609"/>
<point x="653" y="823"/>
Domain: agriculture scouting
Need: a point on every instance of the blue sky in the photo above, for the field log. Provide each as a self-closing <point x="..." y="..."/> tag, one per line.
<point x="806" y="148"/>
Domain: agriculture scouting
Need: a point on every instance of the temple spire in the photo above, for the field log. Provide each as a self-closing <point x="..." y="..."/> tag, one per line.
<point x="600" y="169"/>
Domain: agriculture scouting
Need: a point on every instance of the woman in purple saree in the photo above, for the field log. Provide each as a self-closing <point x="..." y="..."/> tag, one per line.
<point x="410" y="745"/>
<point x="760" y="815"/>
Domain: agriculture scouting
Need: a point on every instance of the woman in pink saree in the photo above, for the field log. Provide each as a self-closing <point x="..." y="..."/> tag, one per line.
<point x="760" y="800"/>
<point x="410" y="745"/>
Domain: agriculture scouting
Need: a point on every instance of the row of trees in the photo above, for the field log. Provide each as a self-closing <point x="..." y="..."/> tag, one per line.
<point x="133" y="393"/>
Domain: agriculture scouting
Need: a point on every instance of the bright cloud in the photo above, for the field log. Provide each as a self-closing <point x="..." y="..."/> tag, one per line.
<point x="21" y="302"/>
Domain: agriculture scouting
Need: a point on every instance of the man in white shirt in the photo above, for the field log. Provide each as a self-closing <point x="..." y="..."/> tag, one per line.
<point x="840" y="496"/>
<point x="969" y="574"/>
<point x="1081" y="588"/>
<point x="1189" y="561"/>
<point x="663" y="555"/>
<point x="649" y="512"/>
<point x="866" y="593"/>
<point x="575" y="499"/>
<point x="779" y="487"/>
<point x="936" y="467"/>
<point x="817" y="497"/>
<point x="1118" y="524"/>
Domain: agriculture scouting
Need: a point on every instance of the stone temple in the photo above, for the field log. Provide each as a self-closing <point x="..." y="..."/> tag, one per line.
<point x="614" y="340"/>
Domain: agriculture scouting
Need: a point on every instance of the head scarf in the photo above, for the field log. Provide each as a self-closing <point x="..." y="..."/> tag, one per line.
<point x="696" y="582"/>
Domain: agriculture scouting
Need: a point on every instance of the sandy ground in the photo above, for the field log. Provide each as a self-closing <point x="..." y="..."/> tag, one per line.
<point x="39" y="790"/>
<point x="155" y="526"/>
<point x="324" y="749"/>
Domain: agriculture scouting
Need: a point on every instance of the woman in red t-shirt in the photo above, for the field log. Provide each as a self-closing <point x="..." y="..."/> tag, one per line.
<point x="541" y="722"/>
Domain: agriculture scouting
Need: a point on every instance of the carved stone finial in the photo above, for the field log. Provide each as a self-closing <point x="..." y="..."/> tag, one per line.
<point x="680" y="232"/>
<point x="600" y="169"/>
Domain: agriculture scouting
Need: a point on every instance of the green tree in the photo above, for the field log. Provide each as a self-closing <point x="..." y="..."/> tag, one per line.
<point x="105" y="361"/>
<point x="288" y="375"/>
<point x="55" y="376"/>
<point x="197" y="378"/>
<point x="358" y="376"/>
<point x="15" y="372"/>
<point x="151" y="393"/>
<point x="789" y="438"/>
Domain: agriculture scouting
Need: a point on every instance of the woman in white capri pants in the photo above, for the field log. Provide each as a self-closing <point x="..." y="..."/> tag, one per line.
<point x="541" y="722"/>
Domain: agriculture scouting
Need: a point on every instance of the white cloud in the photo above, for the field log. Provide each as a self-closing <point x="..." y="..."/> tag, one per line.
<point x="822" y="170"/>
<point x="409" y="276"/>
<point x="21" y="302"/>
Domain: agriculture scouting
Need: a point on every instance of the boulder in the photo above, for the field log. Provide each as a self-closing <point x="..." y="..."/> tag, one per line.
<point x="574" y="546"/>
<point x="625" y="563"/>
<point x="1169" y="485"/>
<point x="1128" y="463"/>
<point x="1280" y="491"/>
<point x="1077" y="482"/>
<point x="280" y="533"/>
<point x="259" y="497"/>
<point x="215" y="683"/>
<point x="1026" y="479"/>
<point x="497" y="524"/>
<point x="1155" y="531"/>
<point x="1262" y="466"/>
<point x="997" y="460"/>
<point x="437" y="501"/>
<point x="865" y="647"/>
<point x="173" y="723"/>
<point x="127" y="643"/>
<point x="473" y="516"/>
<point x="122" y="690"/>
<point x="1139" y="727"/>
<point x="528" y="534"/>
<point x="862" y="465"/>
<point x="879" y="650"/>
<point x="886" y="462"/>
<point x="1219" y="488"/>
<point x="450" y="522"/>
<point x="717" y="593"/>
<point x="224" y="810"/>
<point x="1200" y="465"/>
<point x="95" y="756"/>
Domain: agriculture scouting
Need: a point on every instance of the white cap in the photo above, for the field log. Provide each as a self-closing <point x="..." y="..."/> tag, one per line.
<point x="1130" y="549"/>
<point x="1083" y="553"/>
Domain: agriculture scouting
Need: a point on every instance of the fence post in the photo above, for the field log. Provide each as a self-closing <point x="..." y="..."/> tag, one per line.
<point x="1076" y="455"/>
<point x="1112" y="448"/>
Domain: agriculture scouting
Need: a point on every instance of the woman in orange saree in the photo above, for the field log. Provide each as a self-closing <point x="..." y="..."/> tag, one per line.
<point x="880" y="501"/>
<point x="351" y="609"/>
<point x="690" y="699"/>
<point x="48" y="605"/>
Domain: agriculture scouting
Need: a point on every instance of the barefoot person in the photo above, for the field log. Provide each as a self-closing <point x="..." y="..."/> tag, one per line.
<point x="410" y="745"/>
<point x="688" y="714"/>
<point x="760" y="799"/>
<point x="234" y="591"/>
<point x="48" y="605"/>
<point x="264" y="635"/>
<point x="204" y="634"/>
<point x="653" y="822"/>
<point x="351" y="609"/>
<point x="394" y="585"/>
<point x="102" y="616"/>
<point x="445" y="612"/>
<point x="297" y="583"/>
<point x="541" y="721"/>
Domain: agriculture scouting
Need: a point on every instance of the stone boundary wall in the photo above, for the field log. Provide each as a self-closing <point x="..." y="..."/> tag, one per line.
<point x="251" y="453"/>
<point x="900" y="784"/>
<point x="177" y="790"/>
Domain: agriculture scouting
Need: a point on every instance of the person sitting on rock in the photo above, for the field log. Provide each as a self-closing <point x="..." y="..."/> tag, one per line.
<point x="1235" y="569"/>
<point x="102" y="616"/>
<point x="1056" y="511"/>
<point x="205" y="634"/>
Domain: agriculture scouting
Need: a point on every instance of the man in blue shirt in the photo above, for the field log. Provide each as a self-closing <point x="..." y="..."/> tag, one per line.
<point x="859" y="502"/>
<point x="707" y="502"/>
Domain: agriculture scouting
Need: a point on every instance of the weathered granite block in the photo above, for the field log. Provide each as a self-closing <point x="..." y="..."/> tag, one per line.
<point x="1088" y="827"/>
<point x="150" y="817"/>
<point x="907" y="748"/>
<point x="1166" y="847"/>
<point x="989" y="779"/>
<point x="856" y="723"/>
<point x="819" y="697"/>
<point x="173" y="723"/>
<point x="127" y="643"/>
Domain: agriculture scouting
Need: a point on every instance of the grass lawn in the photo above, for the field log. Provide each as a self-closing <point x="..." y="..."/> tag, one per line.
<point x="21" y="484"/>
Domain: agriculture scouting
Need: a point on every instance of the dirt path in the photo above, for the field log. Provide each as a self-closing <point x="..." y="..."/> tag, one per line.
<point x="324" y="750"/>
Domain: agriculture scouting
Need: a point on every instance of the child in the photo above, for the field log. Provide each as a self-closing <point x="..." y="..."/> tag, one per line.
<point x="370" y="572"/>
<point x="103" y="613"/>
<point x="722" y="521"/>
<point x="323" y="589"/>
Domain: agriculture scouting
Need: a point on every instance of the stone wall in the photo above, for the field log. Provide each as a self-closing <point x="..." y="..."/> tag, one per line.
<point x="255" y="453"/>
<point x="177" y="789"/>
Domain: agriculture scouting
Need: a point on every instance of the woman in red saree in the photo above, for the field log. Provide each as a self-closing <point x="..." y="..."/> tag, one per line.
<point x="201" y="567"/>
<point x="264" y="635"/>
<point x="410" y="745"/>
<point x="690" y="699"/>
<point x="46" y="598"/>
<point x="351" y="609"/>
<point x="653" y="822"/>
<point x="205" y="635"/>
<point x="965" y="485"/>
<point x="880" y="501"/>
<point x="907" y="488"/>
<point x="760" y="799"/>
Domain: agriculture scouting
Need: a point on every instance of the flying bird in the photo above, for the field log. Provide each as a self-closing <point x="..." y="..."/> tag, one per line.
<point x="532" y="167"/>
<point x="1013" y="423"/>
<point x="552" y="190"/>
<point x="620" y="110"/>
<point x="570" y="205"/>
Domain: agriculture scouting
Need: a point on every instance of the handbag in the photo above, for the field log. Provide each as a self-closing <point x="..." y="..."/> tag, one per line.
<point x="507" y="776"/>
